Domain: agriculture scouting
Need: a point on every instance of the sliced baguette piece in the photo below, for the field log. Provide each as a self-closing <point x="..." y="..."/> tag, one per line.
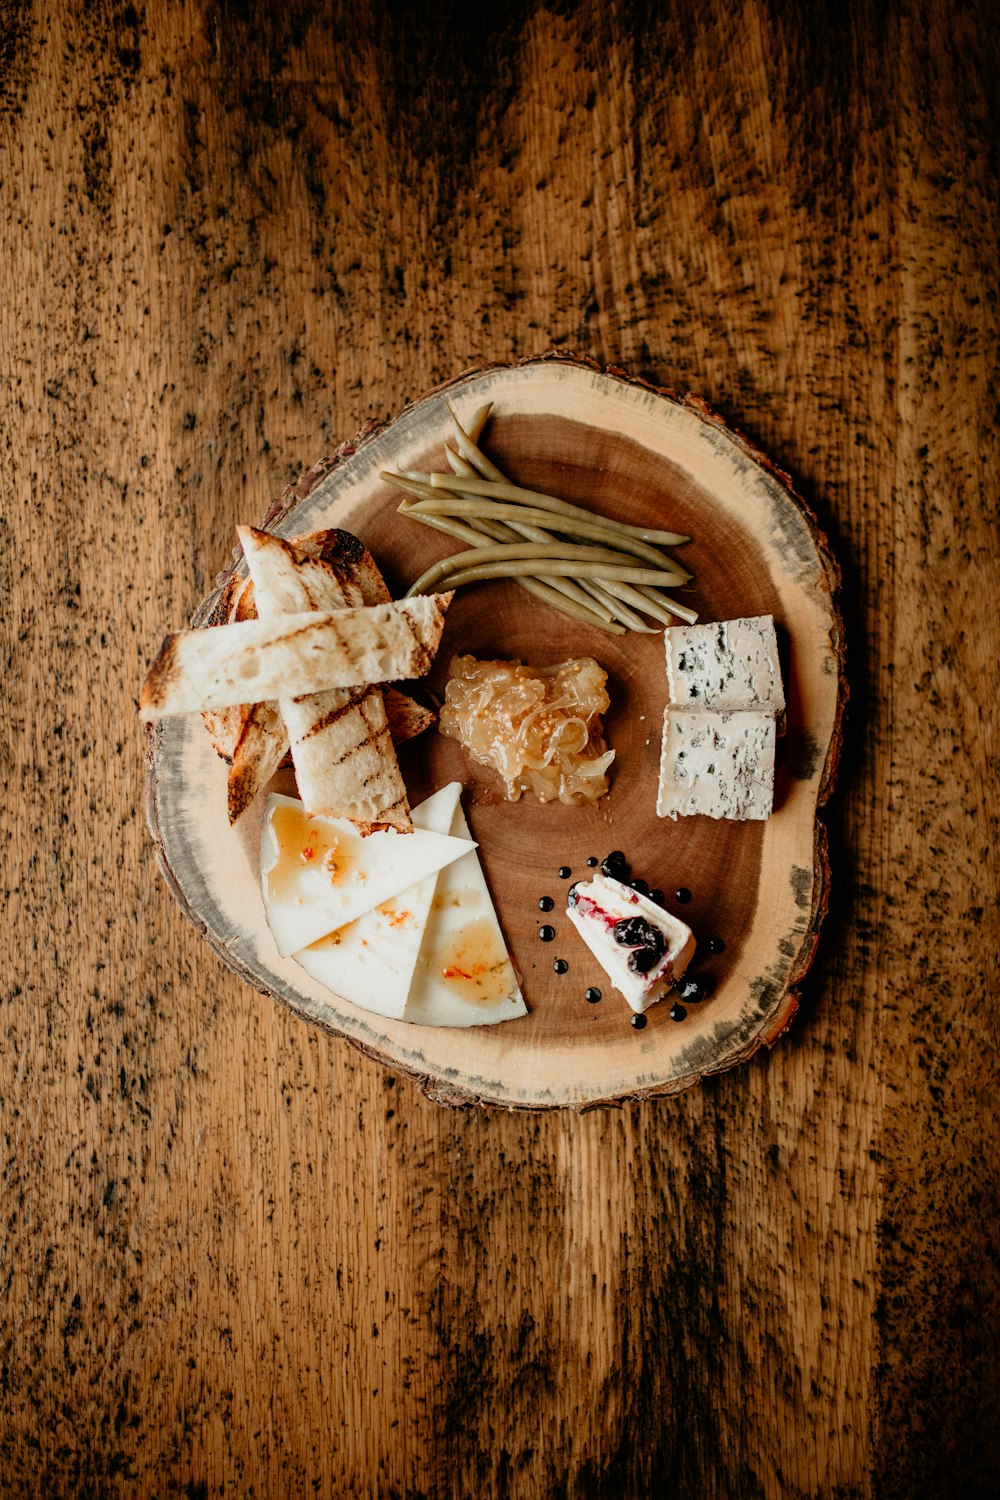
<point x="258" y="751"/>
<point x="293" y="655"/>
<point x="350" y="559"/>
<point x="260" y="743"/>
<point x="407" y="718"/>
<point x="251" y="737"/>
<point x="345" y="764"/>
<point x="226" y="725"/>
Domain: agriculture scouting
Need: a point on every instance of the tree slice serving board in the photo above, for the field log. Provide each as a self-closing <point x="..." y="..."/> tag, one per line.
<point x="626" y="450"/>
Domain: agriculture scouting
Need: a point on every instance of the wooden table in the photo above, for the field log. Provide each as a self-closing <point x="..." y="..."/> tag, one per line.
<point x="240" y="1258"/>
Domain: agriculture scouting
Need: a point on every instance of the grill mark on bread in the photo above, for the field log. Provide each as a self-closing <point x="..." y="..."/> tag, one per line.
<point x="333" y="718"/>
<point x="241" y="790"/>
<point x="325" y="721"/>
<point x="156" y="688"/>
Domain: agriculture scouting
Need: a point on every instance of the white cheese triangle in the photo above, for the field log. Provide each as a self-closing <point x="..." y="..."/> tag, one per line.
<point x="318" y="874"/>
<point x="371" y="961"/>
<point x="463" y="975"/>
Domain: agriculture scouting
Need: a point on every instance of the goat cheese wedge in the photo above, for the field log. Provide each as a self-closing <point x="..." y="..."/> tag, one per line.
<point x="643" y="949"/>
<point x="371" y="961"/>
<point x="732" y="664"/>
<point x="318" y="874"/>
<point x="719" y="764"/>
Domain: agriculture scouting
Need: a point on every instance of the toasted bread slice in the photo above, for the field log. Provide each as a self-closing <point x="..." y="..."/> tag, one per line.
<point x="293" y="654"/>
<point x="345" y="764"/>
<point x="226" y="725"/>
<point x="259" y="749"/>
<point x="350" y="560"/>
<point x="252" y="737"/>
<point x="407" y="718"/>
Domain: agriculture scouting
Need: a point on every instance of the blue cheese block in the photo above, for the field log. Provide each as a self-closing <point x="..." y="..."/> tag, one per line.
<point x="720" y="764"/>
<point x="730" y="665"/>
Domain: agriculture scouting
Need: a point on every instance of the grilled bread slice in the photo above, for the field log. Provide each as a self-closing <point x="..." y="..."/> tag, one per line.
<point x="345" y="763"/>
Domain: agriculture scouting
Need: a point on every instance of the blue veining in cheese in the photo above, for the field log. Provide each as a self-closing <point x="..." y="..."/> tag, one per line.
<point x="720" y="764"/>
<point x="729" y="665"/>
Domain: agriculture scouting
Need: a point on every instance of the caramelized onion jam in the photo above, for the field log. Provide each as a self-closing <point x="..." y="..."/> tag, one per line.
<point x="540" y="727"/>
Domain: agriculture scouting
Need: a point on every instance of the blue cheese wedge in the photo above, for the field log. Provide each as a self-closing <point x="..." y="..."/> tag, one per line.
<point x="732" y="664"/>
<point x="720" y="764"/>
<point x="643" y="949"/>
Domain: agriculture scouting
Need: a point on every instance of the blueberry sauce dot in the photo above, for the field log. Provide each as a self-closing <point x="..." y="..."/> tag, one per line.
<point x="642" y="886"/>
<point x="657" y="896"/>
<point x="546" y="933"/>
<point x="683" y="894"/>
<point x="715" y="945"/>
<point x="560" y="966"/>
<point x="592" y="995"/>
<point x="545" y="903"/>
<point x="677" y="1013"/>
<point x="564" y="872"/>
<point x="638" y="1022"/>
<point x="593" y="860"/>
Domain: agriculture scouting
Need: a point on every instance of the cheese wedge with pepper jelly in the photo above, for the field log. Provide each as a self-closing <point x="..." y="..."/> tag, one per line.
<point x="318" y="874"/>
<point x="432" y="956"/>
<point x="371" y="961"/>
<point x="464" y="976"/>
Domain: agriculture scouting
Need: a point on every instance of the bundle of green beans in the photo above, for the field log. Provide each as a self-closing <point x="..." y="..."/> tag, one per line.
<point x="602" y="572"/>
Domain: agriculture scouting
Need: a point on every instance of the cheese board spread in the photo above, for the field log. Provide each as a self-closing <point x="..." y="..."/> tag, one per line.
<point x="314" y="902"/>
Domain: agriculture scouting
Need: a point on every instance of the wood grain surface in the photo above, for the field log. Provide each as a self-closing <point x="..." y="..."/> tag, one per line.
<point x="237" y="1257"/>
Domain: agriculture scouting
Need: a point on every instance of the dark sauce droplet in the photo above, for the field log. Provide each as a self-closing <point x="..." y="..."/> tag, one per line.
<point x="677" y="1013"/>
<point x="592" y="995"/>
<point x="564" y="872"/>
<point x="638" y="1022"/>
<point x="546" y="903"/>
<point x="593" y="860"/>
<point x="715" y="945"/>
<point x="546" y="933"/>
<point x="683" y="894"/>
<point x="658" y="897"/>
<point x="560" y="966"/>
<point x="642" y="886"/>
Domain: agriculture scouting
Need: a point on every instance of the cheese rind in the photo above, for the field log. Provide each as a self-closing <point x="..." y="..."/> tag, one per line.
<point x="594" y="906"/>
<point x="731" y="665"/>
<point x="718" y="764"/>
